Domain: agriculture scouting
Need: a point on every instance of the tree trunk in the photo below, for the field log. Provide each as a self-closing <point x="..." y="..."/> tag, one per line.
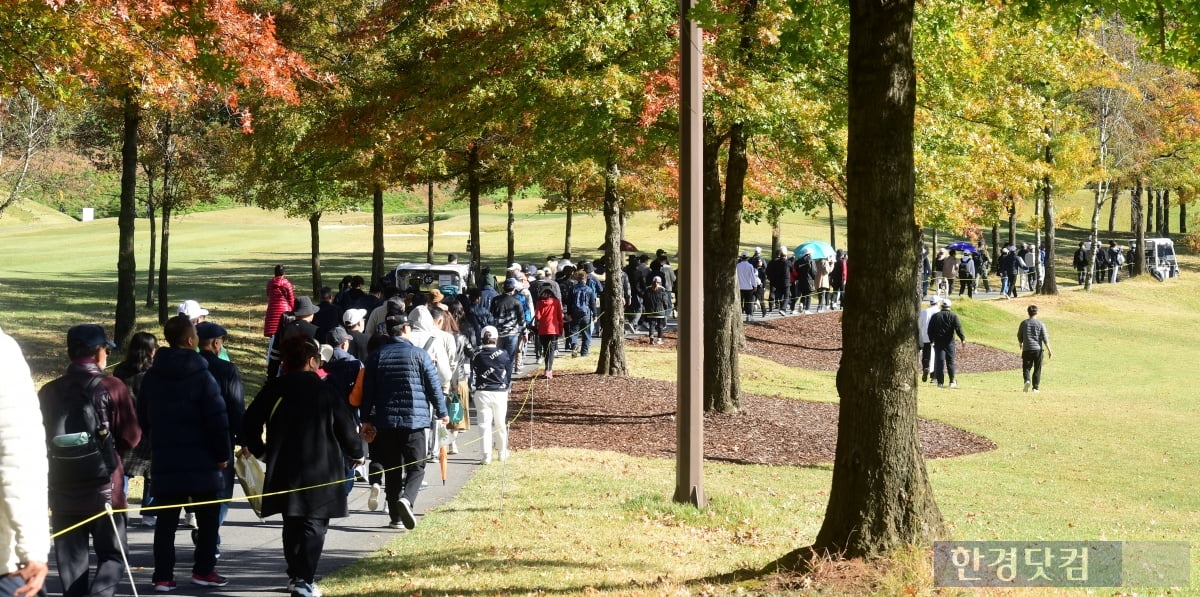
<point x="512" y="233"/>
<point x="996" y="242"/>
<point x="612" y="300"/>
<point x="1151" y="199"/>
<point x="776" y="230"/>
<point x="378" y="267"/>
<point x="168" y="204"/>
<point x="153" y="239"/>
<point x="1038" y="272"/>
<point x="832" y="228"/>
<point x="314" y="233"/>
<point x="164" y="312"/>
<point x="1049" y="284"/>
<point x="723" y="334"/>
<point x="1137" y="268"/>
<point x="1098" y="198"/>
<point x="1164" y="230"/>
<point x="429" y="235"/>
<point x="1112" y="209"/>
<point x="1012" y="221"/>
<point x="126" y="313"/>
<point x="1182" y="216"/>
<point x="569" y="201"/>
<point x="880" y="497"/>
<point x="473" y="185"/>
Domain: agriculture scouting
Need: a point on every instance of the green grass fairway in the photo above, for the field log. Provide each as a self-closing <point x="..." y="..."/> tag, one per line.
<point x="1107" y="451"/>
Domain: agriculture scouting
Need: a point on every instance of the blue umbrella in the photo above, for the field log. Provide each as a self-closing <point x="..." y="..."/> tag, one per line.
<point x="962" y="245"/>
<point x="820" y="250"/>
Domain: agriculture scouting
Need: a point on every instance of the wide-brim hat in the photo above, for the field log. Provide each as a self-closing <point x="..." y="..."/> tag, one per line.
<point x="304" y="306"/>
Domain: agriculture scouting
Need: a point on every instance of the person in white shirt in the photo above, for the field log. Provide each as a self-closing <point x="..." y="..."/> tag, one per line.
<point x="24" y="532"/>
<point x="748" y="283"/>
<point x="935" y="305"/>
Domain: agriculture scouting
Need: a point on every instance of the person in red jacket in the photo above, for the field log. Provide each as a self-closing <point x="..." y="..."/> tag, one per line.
<point x="281" y="298"/>
<point x="549" y="316"/>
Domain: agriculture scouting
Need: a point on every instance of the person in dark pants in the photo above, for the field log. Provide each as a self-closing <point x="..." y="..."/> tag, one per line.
<point x="509" y="317"/>
<point x="181" y="407"/>
<point x="309" y="430"/>
<point x="88" y="347"/>
<point x="400" y="385"/>
<point x="943" y="326"/>
<point x="229" y="379"/>
<point x="1032" y="336"/>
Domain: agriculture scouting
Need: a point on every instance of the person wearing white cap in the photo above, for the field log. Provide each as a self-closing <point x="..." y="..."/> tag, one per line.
<point x="193" y="310"/>
<point x="943" y="326"/>
<point x="760" y="266"/>
<point x="490" y="368"/>
<point x="935" y="305"/>
<point x="354" y="320"/>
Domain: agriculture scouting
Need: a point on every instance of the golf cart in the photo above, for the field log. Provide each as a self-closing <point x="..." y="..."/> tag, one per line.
<point x="449" y="278"/>
<point x="1159" y="257"/>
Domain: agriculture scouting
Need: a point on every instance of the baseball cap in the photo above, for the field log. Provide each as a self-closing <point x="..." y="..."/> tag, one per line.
<point x="510" y="284"/>
<point x="338" y="336"/>
<point x="208" y="330"/>
<point x="88" y="335"/>
<point x="935" y="300"/>
<point x="946" y="303"/>
<point x="515" y="267"/>
<point x="489" y="331"/>
<point x="192" y="309"/>
<point x="352" y="316"/>
<point x="758" y="249"/>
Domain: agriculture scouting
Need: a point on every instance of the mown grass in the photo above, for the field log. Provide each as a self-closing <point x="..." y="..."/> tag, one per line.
<point x="1105" y="451"/>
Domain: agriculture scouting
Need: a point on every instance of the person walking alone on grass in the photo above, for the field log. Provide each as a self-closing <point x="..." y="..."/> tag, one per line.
<point x="309" y="431"/>
<point x="1032" y="336"/>
<point x="943" y="326"/>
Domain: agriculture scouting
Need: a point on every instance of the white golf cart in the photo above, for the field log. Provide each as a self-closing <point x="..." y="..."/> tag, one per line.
<point x="449" y="278"/>
<point x="1159" y="257"/>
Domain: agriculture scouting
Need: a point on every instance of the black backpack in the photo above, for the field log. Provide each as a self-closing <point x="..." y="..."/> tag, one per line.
<point x="79" y="446"/>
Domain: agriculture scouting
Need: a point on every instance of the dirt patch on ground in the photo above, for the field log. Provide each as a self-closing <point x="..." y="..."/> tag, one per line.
<point x="637" y="416"/>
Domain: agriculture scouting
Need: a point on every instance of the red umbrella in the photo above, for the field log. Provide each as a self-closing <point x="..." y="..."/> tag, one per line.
<point x="626" y="247"/>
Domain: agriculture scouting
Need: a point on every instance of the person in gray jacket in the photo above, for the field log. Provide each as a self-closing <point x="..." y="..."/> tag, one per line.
<point x="1032" y="336"/>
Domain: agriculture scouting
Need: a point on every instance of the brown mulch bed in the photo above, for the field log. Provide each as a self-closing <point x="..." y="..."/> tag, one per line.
<point x="636" y="416"/>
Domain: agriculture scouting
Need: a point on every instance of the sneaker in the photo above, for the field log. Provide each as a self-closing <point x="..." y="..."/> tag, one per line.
<point x="212" y="579"/>
<point x="1028" y="386"/>
<point x="941" y="386"/>
<point x="395" y="524"/>
<point x="453" y="449"/>
<point x="924" y="376"/>
<point x="486" y="459"/>
<point x="549" y="375"/>
<point x="658" y="341"/>
<point x="292" y="582"/>
<point x="149" y="521"/>
<point x="1035" y="390"/>
<point x="299" y="588"/>
<point x="406" y="514"/>
<point x="373" y="497"/>
<point x="190" y="520"/>
<point x="503" y="455"/>
<point x="165" y="586"/>
<point x="954" y="384"/>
